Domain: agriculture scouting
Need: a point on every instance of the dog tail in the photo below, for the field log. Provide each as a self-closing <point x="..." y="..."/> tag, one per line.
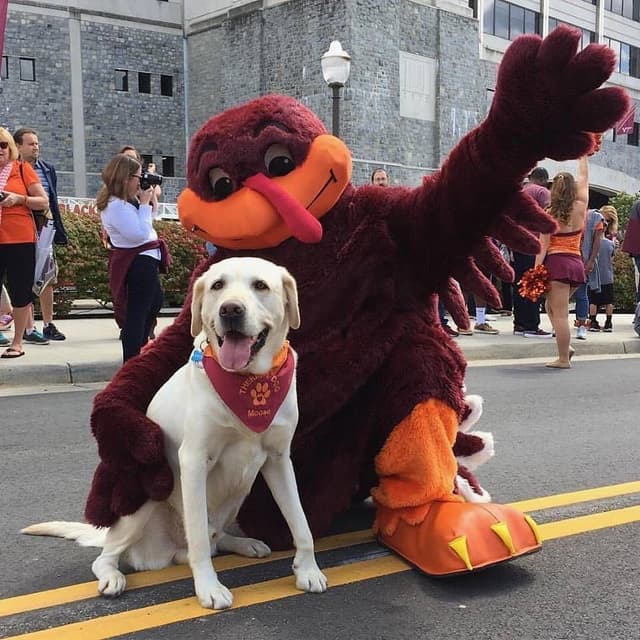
<point x="84" y="534"/>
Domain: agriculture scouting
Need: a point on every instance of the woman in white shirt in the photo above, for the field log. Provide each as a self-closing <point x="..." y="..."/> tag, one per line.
<point x="136" y="252"/>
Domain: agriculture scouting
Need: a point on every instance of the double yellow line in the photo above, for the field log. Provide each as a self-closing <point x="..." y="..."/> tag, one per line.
<point x="271" y="590"/>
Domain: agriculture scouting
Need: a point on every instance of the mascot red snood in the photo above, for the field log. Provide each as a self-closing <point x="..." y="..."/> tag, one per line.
<point x="381" y="386"/>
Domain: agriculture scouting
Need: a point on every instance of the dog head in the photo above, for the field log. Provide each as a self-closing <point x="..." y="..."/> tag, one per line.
<point x="245" y="307"/>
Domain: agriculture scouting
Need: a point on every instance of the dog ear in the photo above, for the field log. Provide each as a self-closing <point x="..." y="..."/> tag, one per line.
<point x="196" y="306"/>
<point x="291" y="299"/>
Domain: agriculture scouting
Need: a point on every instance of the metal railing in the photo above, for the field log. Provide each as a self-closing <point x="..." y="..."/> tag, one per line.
<point x="166" y="210"/>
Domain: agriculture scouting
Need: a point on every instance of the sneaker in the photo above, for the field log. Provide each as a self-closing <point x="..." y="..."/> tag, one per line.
<point x="465" y="332"/>
<point x="450" y="331"/>
<point x="594" y="326"/>
<point x="35" y="337"/>
<point x="518" y="331"/>
<point x="6" y="322"/>
<point x="608" y="328"/>
<point x="581" y="333"/>
<point x="50" y="332"/>
<point x="485" y="327"/>
<point x="4" y="341"/>
<point x="538" y="333"/>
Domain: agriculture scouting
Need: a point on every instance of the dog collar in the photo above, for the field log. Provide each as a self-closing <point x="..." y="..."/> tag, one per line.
<point x="254" y="399"/>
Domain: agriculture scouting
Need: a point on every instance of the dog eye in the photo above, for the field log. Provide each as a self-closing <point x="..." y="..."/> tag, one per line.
<point x="221" y="183"/>
<point x="260" y="285"/>
<point x="278" y="160"/>
<point x="217" y="285"/>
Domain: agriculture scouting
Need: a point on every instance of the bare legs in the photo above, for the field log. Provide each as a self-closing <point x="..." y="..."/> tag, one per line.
<point x="557" y="305"/>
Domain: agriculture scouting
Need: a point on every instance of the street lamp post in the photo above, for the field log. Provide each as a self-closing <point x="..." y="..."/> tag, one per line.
<point x="336" y="65"/>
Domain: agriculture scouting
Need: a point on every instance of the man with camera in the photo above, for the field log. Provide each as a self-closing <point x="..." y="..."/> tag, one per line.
<point x="48" y="221"/>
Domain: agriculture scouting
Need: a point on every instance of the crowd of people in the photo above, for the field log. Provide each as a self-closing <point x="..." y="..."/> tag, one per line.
<point x="31" y="226"/>
<point x="578" y="257"/>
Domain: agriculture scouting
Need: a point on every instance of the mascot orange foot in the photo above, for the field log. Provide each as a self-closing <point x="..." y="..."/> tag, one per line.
<point x="422" y="520"/>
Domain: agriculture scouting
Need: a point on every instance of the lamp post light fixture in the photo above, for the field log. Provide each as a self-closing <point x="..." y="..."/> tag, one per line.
<point x="336" y="65"/>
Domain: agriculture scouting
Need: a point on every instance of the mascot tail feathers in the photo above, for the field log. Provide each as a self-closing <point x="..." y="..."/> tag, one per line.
<point x="84" y="534"/>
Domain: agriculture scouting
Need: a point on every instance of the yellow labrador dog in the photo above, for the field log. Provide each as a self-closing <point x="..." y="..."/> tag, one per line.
<point x="229" y="413"/>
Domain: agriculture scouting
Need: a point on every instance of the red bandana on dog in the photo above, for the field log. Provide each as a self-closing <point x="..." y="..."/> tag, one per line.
<point x="254" y="399"/>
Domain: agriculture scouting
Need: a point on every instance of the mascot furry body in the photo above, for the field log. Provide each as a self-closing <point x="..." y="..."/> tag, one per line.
<point x="380" y="384"/>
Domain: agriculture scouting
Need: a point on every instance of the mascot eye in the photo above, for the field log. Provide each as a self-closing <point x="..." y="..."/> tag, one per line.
<point x="217" y="285"/>
<point x="278" y="160"/>
<point x="260" y="285"/>
<point x="221" y="183"/>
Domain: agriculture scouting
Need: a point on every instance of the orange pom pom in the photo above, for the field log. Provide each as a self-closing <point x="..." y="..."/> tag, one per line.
<point x="534" y="283"/>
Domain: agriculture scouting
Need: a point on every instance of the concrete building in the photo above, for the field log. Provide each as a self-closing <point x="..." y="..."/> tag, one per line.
<point x="91" y="76"/>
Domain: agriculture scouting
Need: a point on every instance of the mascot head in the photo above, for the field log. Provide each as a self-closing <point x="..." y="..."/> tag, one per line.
<point x="261" y="173"/>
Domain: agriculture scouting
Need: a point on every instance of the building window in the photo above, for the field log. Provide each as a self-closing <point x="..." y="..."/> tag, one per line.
<point x="166" y="85"/>
<point x="587" y="36"/>
<point x="633" y="138"/>
<point x="28" y="69"/>
<point x="144" y="82"/>
<point x="417" y="87"/>
<point x="4" y="69"/>
<point x="146" y="159"/>
<point x="508" y="21"/>
<point x="627" y="8"/>
<point x="168" y="166"/>
<point x="628" y="57"/>
<point x="122" y="80"/>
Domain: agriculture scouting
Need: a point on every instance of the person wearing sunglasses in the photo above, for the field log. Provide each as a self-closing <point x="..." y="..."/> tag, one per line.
<point x="136" y="255"/>
<point x="20" y="193"/>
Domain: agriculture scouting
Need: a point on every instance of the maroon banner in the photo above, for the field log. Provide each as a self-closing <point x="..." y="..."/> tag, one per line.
<point x="4" y="7"/>
<point x="625" y="125"/>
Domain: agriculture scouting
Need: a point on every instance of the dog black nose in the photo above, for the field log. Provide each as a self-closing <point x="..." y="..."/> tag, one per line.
<point x="231" y="310"/>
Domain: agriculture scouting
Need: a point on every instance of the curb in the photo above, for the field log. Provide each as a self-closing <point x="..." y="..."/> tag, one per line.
<point x="64" y="373"/>
<point x="538" y="348"/>
<point x="104" y="370"/>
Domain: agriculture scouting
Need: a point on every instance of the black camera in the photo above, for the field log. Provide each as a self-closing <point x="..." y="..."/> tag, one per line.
<point x="148" y="180"/>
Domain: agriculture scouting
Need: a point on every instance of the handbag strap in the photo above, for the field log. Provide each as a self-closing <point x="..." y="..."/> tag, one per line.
<point x="33" y="216"/>
<point x="4" y="175"/>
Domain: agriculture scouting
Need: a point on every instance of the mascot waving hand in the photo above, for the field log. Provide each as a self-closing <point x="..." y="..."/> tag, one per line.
<point x="380" y="384"/>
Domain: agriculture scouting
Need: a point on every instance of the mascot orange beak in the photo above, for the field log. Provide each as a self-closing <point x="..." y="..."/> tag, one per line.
<point x="267" y="211"/>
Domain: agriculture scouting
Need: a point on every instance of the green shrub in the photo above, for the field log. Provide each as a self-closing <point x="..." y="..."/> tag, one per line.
<point x="624" y="284"/>
<point x="83" y="263"/>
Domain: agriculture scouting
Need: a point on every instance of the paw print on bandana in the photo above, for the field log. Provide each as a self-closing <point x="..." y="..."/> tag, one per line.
<point x="261" y="393"/>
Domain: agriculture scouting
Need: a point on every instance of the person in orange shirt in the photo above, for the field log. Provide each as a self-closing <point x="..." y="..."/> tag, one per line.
<point x="20" y="192"/>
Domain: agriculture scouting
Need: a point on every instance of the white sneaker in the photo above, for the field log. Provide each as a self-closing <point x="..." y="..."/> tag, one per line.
<point x="581" y="333"/>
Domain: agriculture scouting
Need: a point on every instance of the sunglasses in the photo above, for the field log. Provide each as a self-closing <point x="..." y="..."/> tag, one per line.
<point x="136" y="175"/>
<point x="3" y="144"/>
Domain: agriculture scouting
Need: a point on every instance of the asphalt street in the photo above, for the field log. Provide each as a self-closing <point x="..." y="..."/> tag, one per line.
<point x="556" y="432"/>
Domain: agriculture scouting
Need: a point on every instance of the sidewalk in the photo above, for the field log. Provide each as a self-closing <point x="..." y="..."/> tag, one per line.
<point x="92" y="351"/>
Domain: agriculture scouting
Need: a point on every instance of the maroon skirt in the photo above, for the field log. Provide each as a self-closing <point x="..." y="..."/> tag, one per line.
<point x="566" y="267"/>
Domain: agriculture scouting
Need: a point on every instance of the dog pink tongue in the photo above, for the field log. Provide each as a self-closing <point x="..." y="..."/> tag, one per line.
<point x="235" y="351"/>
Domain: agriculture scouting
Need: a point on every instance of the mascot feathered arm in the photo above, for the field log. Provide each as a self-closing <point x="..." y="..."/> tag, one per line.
<point x="547" y="104"/>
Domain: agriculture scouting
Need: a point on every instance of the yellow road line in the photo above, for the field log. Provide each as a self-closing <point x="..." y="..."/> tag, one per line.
<point x="189" y="608"/>
<point x="564" y="499"/>
<point x="593" y="522"/>
<point x="281" y="588"/>
<point x="86" y="590"/>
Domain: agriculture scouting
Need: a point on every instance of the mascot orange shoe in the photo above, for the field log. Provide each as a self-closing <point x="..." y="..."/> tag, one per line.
<point x="381" y="385"/>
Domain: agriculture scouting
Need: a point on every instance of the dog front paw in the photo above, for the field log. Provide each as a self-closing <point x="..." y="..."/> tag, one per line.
<point x="309" y="578"/>
<point x="112" y="584"/>
<point x="213" y="595"/>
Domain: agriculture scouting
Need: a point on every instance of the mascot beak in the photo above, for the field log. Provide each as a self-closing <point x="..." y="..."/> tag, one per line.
<point x="267" y="211"/>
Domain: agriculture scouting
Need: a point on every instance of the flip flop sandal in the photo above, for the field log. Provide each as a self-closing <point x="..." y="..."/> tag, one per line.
<point x="12" y="353"/>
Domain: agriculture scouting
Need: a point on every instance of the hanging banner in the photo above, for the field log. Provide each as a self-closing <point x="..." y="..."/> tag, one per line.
<point x="4" y="7"/>
<point x="626" y="123"/>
